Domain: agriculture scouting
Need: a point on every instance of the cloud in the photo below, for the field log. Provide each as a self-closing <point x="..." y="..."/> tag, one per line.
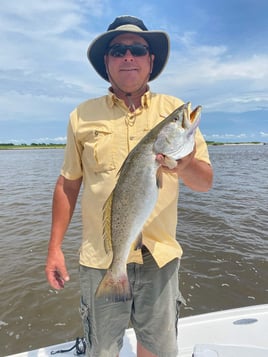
<point x="57" y="140"/>
<point x="242" y="137"/>
<point x="227" y="136"/>
<point x="44" y="69"/>
<point x="45" y="73"/>
<point x="220" y="81"/>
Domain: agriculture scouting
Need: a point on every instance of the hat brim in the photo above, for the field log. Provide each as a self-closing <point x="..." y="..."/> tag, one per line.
<point x="157" y="40"/>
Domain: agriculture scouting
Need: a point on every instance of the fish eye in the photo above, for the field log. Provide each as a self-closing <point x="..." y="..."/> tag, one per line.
<point x="175" y="119"/>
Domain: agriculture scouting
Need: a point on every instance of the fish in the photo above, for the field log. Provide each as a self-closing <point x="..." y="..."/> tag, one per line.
<point x="136" y="191"/>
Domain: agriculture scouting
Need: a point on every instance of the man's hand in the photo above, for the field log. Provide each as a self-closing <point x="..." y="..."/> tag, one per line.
<point x="56" y="271"/>
<point x="175" y="166"/>
<point x="195" y="174"/>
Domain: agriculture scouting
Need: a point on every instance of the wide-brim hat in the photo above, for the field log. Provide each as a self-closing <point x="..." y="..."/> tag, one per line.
<point x="158" y="42"/>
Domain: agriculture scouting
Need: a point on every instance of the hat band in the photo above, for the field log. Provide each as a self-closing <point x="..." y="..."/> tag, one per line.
<point x="128" y="27"/>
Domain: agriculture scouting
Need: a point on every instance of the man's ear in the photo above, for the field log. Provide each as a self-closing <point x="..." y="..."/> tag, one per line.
<point x="151" y="62"/>
<point x="105" y="63"/>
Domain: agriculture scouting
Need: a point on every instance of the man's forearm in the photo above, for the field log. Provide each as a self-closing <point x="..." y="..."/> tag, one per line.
<point x="64" y="201"/>
<point x="198" y="175"/>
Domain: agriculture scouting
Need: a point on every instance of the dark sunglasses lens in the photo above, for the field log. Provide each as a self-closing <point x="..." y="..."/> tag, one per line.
<point x="139" y="50"/>
<point x="117" y="51"/>
<point x="120" y="50"/>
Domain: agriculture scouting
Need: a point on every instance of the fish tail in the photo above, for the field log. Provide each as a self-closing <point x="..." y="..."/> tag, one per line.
<point x="114" y="289"/>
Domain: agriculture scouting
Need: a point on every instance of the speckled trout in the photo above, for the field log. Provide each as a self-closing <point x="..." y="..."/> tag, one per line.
<point x="135" y="194"/>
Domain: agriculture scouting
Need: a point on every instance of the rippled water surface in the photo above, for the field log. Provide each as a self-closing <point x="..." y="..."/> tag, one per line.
<point x="224" y="234"/>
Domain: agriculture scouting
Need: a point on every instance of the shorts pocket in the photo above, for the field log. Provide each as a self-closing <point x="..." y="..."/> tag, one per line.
<point x="84" y="311"/>
<point x="179" y="301"/>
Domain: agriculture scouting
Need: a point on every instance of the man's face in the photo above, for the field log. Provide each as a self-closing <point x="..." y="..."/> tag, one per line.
<point x="129" y="72"/>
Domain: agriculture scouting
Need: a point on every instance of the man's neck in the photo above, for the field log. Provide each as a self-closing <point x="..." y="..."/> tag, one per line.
<point x="132" y="100"/>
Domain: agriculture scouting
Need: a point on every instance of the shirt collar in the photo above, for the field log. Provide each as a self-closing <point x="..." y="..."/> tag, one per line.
<point x="114" y="100"/>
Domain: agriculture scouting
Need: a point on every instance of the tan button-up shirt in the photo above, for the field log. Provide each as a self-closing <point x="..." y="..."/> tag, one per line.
<point x="101" y="133"/>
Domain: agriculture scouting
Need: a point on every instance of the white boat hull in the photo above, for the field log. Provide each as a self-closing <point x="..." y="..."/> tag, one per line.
<point x="238" y="332"/>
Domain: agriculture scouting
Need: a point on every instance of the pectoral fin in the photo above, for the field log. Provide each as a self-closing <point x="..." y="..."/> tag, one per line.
<point x="170" y="162"/>
<point x="159" y="177"/>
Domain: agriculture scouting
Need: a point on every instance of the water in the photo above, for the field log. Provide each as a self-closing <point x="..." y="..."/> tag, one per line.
<point x="223" y="234"/>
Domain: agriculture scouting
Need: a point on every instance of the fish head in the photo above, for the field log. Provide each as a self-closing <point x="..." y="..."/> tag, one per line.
<point x="176" y="139"/>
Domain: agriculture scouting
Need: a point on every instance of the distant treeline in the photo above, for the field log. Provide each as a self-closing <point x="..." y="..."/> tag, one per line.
<point x="5" y="146"/>
<point x="32" y="145"/>
<point x="235" y="143"/>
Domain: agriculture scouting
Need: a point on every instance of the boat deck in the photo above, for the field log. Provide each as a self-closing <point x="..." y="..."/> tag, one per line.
<point x="238" y="332"/>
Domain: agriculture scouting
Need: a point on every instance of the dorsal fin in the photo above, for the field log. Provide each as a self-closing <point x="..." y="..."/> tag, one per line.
<point x="107" y="224"/>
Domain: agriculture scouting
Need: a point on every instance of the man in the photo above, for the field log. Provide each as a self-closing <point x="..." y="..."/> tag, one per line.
<point x="101" y="133"/>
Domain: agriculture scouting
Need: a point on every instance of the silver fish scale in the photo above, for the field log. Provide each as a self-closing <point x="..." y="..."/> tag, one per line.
<point x="134" y="198"/>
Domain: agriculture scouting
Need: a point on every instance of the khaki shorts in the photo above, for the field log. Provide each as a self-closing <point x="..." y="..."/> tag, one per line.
<point x="153" y="311"/>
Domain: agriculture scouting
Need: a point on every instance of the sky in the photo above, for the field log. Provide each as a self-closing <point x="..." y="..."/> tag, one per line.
<point x="218" y="59"/>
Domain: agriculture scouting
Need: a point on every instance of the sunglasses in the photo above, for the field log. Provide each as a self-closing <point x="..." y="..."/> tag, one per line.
<point x="119" y="50"/>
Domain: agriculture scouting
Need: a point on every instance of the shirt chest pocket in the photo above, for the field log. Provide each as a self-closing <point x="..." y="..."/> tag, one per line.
<point x="98" y="154"/>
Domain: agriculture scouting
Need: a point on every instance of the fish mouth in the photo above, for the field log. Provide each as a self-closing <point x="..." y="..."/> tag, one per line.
<point x="194" y="114"/>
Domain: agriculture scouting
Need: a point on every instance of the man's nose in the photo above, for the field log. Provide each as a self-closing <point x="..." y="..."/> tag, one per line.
<point x="128" y="56"/>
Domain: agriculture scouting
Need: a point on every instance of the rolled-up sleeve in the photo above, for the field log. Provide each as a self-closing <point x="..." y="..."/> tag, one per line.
<point x="72" y="167"/>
